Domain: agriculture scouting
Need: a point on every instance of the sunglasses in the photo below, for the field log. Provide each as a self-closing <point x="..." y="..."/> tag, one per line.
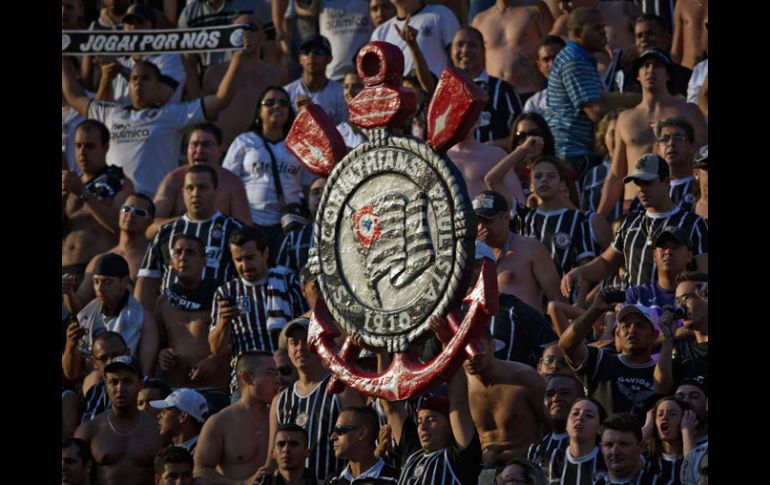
<point x="137" y="211"/>
<point x="340" y="430"/>
<point x="269" y="103"/>
<point x="523" y="135"/>
<point x="319" y="51"/>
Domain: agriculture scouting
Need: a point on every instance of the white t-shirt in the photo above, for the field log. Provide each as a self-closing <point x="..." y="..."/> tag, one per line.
<point x="330" y="97"/>
<point x="537" y="103"/>
<point x="248" y="158"/>
<point x="700" y="72"/>
<point x="70" y="120"/>
<point x="146" y="142"/>
<point x="347" y="25"/>
<point x="352" y="139"/>
<point x="169" y="65"/>
<point x="436" y="25"/>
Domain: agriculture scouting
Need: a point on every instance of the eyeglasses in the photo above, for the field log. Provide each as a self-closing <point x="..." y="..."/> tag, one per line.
<point x="269" y="103"/>
<point x="523" y="135"/>
<point x="137" y="211"/>
<point x="682" y="300"/>
<point x="342" y="429"/>
<point x="676" y="138"/>
<point x="319" y="51"/>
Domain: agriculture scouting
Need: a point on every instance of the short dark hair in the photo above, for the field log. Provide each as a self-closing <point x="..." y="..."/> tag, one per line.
<point x="563" y="375"/>
<point x="84" y="450"/>
<point x="242" y="364"/>
<point x="243" y="235"/>
<point x="188" y="237"/>
<point x="148" y="199"/>
<point x="533" y="473"/>
<point x="694" y="276"/>
<point x="257" y="126"/>
<point x="208" y="127"/>
<point x="474" y="31"/>
<point x="160" y="385"/>
<point x="623" y="422"/>
<point x="679" y="122"/>
<point x="107" y="336"/>
<point x="291" y="428"/>
<point x="561" y="167"/>
<point x="90" y="125"/>
<point x="171" y="454"/>
<point x="580" y="16"/>
<point x="365" y="416"/>
<point x="657" y="19"/>
<point x="151" y="66"/>
<point x="205" y="169"/>
<point x="551" y="40"/>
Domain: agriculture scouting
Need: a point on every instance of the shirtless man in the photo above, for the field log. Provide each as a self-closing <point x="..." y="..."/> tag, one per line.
<point x="135" y="217"/>
<point x="233" y="442"/>
<point x="123" y="440"/>
<point x="183" y="312"/>
<point x="690" y="34"/>
<point x="255" y="77"/>
<point x="512" y="30"/>
<point x="475" y="159"/>
<point x="90" y="203"/>
<point x="634" y="135"/>
<point x="506" y="402"/>
<point x="524" y="267"/>
<point x="204" y="147"/>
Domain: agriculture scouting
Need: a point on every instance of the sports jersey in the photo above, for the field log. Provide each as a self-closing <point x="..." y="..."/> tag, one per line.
<point x="591" y="187"/>
<point x="582" y="470"/>
<point x="522" y="329"/>
<point x="549" y="453"/>
<point x="330" y="97"/>
<point x="502" y="107"/>
<point x="680" y="191"/>
<point x="379" y="474"/>
<point x="347" y="26"/>
<point x="294" y="249"/>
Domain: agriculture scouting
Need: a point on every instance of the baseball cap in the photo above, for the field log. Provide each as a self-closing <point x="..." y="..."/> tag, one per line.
<point x="655" y="53"/>
<point x="701" y="158"/>
<point x="111" y="264"/>
<point x="316" y="40"/>
<point x="488" y="204"/>
<point x="124" y="362"/>
<point x="440" y="404"/>
<point x="648" y="167"/>
<point x="701" y="382"/>
<point x="675" y="233"/>
<point x="186" y="400"/>
<point x="645" y="311"/>
<point x="139" y="12"/>
<point x="283" y="339"/>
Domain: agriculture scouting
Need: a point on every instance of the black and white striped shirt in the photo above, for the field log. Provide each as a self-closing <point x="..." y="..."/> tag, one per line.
<point x="96" y="401"/>
<point x="523" y="330"/>
<point x="214" y="232"/>
<point x="641" y="478"/>
<point x="294" y="248"/>
<point x="666" y="469"/>
<point x="591" y="187"/>
<point x="446" y="466"/>
<point x="379" y="474"/>
<point x="566" y="233"/>
<point x="636" y="237"/>
<point x="581" y="471"/>
<point x="549" y="455"/>
<point x="680" y="192"/>
<point x="502" y="107"/>
<point x="317" y="412"/>
<point x="268" y="305"/>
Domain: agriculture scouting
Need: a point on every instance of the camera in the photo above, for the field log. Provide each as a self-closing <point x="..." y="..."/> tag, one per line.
<point x="614" y="295"/>
<point x="679" y="312"/>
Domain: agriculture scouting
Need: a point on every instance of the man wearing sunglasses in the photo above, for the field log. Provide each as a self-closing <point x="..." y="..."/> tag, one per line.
<point x="90" y="202"/>
<point x="315" y="53"/>
<point x="135" y="216"/>
<point x="355" y="439"/>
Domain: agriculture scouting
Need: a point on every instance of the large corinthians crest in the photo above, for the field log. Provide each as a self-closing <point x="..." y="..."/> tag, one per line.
<point x="394" y="233"/>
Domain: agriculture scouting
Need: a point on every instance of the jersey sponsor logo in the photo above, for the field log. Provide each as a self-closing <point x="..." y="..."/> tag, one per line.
<point x="338" y="20"/>
<point x="485" y="118"/>
<point x="302" y="419"/>
<point x="125" y="133"/>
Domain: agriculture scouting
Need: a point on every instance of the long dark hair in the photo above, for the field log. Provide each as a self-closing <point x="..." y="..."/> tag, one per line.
<point x="653" y="446"/>
<point x="549" y="146"/>
<point x="257" y="126"/>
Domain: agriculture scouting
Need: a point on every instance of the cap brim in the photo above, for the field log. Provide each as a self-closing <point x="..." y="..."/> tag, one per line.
<point x="121" y="365"/>
<point x="162" y="404"/>
<point x="486" y="213"/>
<point x="640" y="176"/>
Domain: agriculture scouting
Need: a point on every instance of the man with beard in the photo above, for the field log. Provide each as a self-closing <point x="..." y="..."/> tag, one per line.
<point x="123" y="440"/>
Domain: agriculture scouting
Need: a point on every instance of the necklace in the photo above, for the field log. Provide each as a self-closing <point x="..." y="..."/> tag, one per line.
<point x="125" y="435"/>
<point x="649" y="225"/>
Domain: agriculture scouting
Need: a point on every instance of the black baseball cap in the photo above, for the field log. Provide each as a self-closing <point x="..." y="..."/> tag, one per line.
<point x="124" y="362"/>
<point x="139" y="12"/>
<point x="316" y="40"/>
<point x="655" y="53"/>
<point x="673" y="233"/>
<point x="488" y="204"/>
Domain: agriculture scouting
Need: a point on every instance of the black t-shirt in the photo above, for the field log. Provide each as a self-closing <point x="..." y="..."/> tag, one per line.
<point x="523" y="330"/>
<point x="447" y="466"/>
<point x="618" y="384"/>
<point x="691" y="359"/>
